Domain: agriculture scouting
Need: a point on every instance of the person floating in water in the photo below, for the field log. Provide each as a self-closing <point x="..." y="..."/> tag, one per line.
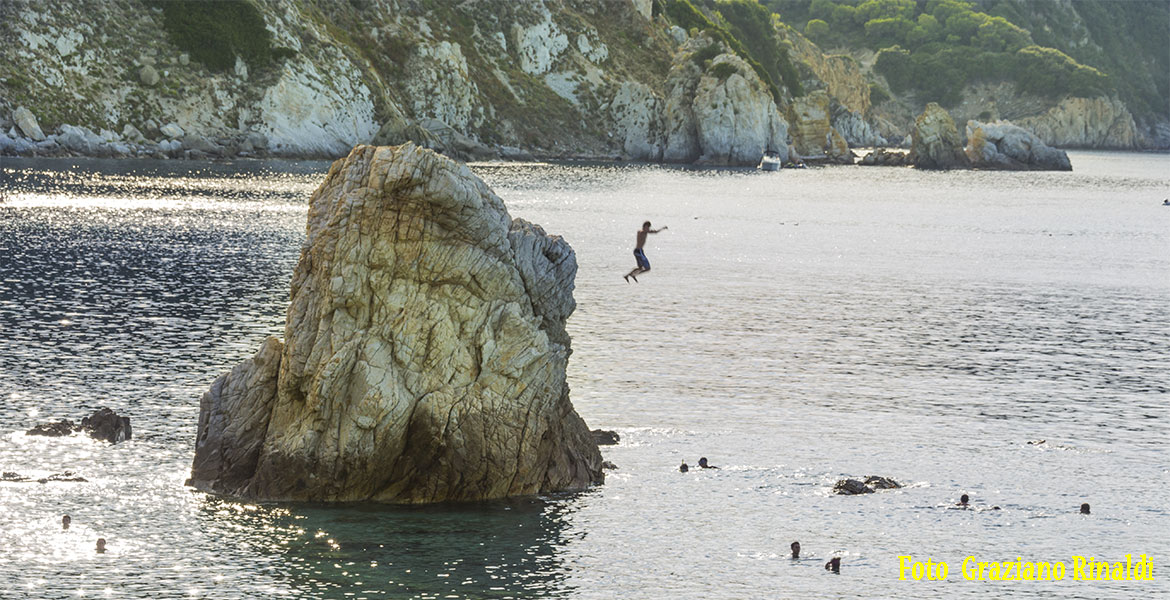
<point x="963" y="500"/>
<point x="834" y="564"/>
<point x="1085" y="509"/>
<point x="703" y="463"/>
<point x="639" y="255"/>
<point x="795" y="549"/>
<point x="683" y="468"/>
<point x="65" y="521"/>
<point x="1166" y="202"/>
<point x="101" y="546"/>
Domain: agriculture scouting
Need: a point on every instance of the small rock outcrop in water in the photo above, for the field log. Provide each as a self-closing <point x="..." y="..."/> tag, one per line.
<point x="424" y="354"/>
<point x="882" y="157"/>
<point x="605" y="438"/>
<point x="851" y="487"/>
<point x="881" y="483"/>
<point x="1005" y="146"/>
<point x="935" y="141"/>
<point x="103" y="424"/>
<point x="56" y="429"/>
<point x="66" y="477"/>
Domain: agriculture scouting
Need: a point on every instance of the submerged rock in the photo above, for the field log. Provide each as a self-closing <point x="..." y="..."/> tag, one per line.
<point x="104" y="424"/>
<point x="424" y="354"/>
<point x="881" y="483"/>
<point x="67" y="477"/>
<point x="851" y="487"/>
<point x="60" y="428"/>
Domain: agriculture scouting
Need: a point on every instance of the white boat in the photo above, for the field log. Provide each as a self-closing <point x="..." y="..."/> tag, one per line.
<point x="770" y="161"/>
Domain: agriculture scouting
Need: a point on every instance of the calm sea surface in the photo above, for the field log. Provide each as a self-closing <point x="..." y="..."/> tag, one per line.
<point x="797" y="328"/>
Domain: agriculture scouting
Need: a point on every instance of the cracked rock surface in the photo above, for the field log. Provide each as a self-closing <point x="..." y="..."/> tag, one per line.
<point x="424" y="353"/>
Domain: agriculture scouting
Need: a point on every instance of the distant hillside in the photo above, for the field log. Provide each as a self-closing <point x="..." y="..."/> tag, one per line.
<point x="709" y="81"/>
<point x="962" y="54"/>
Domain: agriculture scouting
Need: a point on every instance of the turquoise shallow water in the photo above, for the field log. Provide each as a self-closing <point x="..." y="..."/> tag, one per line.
<point x="797" y="327"/>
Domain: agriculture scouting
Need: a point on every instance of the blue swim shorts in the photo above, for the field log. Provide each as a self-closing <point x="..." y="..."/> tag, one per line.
<point x="641" y="258"/>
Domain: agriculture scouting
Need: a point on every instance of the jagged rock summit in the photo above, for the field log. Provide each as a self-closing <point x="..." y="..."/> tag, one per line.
<point x="424" y="354"/>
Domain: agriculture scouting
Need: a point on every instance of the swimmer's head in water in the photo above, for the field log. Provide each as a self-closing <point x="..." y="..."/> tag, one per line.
<point x="703" y="461"/>
<point x="1085" y="508"/>
<point x="963" y="499"/>
<point x="683" y="467"/>
<point x="101" y="545"/>
<point x="795" y="549"/>
<point x="834" y="564"/>
<point x="65" y="522"/>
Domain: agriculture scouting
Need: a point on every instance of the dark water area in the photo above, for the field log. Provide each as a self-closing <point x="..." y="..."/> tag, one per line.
<point x="798" y="327"/>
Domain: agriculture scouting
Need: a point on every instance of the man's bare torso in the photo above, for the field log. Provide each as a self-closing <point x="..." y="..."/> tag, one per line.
<point x="641" y="238"/>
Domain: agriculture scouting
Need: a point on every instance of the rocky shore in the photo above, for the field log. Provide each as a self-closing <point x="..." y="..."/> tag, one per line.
<point x="477" y="81"/>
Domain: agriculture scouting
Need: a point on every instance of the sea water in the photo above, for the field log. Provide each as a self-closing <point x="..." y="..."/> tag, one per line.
<point x="797" y="328"/>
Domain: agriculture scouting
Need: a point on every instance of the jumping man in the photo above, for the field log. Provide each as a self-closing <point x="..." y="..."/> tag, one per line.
<point x="639" y="255"/>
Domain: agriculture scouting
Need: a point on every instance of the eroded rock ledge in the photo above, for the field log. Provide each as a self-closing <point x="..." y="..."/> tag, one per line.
<point x="424" y="354"/>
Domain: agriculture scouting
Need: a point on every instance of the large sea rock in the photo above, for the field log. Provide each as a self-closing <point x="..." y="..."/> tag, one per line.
<point x="1005" y="146"/>
<point x="935" y="142"/>
<point x="718" y="111"/>
<point x="424" y="354"/>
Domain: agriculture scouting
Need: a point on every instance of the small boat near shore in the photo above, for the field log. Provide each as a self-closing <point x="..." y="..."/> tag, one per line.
<point x="770" y="161"/>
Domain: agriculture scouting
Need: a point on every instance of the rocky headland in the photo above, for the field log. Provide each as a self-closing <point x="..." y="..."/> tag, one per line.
<point x="424" y="352"/>
<point x="936" y="144"/>
<point x="670" y="81"/>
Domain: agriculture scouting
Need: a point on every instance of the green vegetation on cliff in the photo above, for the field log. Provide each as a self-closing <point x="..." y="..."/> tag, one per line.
<point x="1127" y="40"/>
<point x="215" y="32"/>
<point x="934" y="48"/>
<point x="747" y="28"/>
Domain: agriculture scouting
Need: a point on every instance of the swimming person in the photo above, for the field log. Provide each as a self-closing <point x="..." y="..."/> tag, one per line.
<point x="795" y="549"/>
<point x="101" y="546"/>
<point x="639" y="255"/>
<point x="684" y="468"/>
<point x="963" y="501"/>
<point x="834" y="564"/>
<point x="703" y="463"/>
<point x="65" y="522"/>
<point x="1085" y="508"/>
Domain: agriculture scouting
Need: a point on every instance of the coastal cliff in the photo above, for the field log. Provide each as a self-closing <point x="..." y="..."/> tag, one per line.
<point x="710" y="81"/>
<point x="424" y="352"/>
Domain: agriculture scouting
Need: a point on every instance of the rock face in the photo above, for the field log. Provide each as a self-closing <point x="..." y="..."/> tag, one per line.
<point x="1002" y="145"/>
<point x="813" y="135"/>
<point x="424" y="355"/>
<point x="718" y="111"/>
<point x="637" y="118"/>
<point x="935" y="141"/>
<point x="1086" y="123"/>
<point x="27" y="122"/>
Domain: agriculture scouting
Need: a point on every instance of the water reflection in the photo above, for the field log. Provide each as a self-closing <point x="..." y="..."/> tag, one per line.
<point x="505" y="549"/>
